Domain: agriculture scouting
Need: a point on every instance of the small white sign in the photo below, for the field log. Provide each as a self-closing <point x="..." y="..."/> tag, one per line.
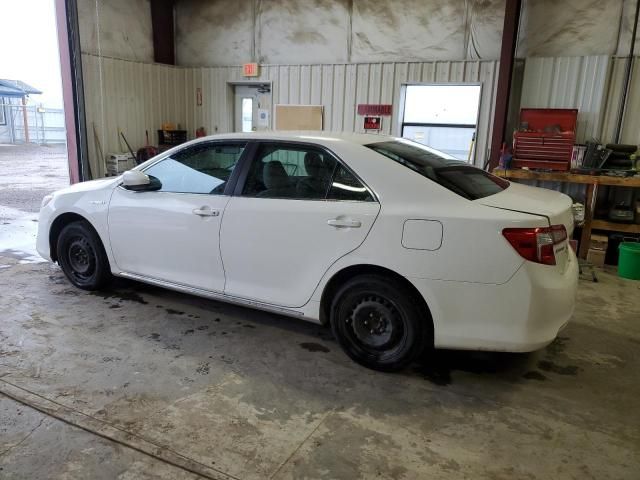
<point x="263" y="118"/>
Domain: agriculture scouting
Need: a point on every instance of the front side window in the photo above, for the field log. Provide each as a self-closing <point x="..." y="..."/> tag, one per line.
<point x="303" y="173"/>
<point x="203" y="168"/>
<point x="459" y="177"/>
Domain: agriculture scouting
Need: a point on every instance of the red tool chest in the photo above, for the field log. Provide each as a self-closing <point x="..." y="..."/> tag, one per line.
<point x="545" y="138"/>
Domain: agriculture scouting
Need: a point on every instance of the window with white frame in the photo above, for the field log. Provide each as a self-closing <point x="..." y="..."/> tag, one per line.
<point x="443" y="117"/>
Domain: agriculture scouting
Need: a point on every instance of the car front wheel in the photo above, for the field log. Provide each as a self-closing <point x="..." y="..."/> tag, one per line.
<point x="82" y="257"/>
<point x="378" y="323"/>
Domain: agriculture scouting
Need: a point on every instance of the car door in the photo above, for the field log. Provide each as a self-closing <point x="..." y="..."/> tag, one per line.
<point x="173" y="234"/>
<point x="297" y="211"/>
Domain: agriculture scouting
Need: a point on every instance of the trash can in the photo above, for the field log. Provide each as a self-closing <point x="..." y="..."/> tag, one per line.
<point x="629" y="260"/>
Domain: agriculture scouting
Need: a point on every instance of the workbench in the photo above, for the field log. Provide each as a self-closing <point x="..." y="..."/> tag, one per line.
<point x="592" y="182"/>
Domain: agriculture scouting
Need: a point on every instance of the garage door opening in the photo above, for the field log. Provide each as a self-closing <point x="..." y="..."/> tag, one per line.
<point x="33" y="151"/>
<point x="444" y="117"/>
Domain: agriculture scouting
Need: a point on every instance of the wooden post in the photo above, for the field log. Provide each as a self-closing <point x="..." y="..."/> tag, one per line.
<point x="589" y="207"/>
<point x="25" y="119"/>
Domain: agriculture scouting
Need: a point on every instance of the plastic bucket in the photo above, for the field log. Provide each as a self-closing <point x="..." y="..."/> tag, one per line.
<point x="629" y="261"/>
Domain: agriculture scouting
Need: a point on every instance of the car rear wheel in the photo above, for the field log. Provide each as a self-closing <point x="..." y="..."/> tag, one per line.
<point x="82" y="257"/>
<point x="378" y="323"/>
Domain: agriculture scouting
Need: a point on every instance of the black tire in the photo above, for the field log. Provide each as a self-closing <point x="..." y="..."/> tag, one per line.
<point x="399" y="329"/>
<point x="82" y="257"/>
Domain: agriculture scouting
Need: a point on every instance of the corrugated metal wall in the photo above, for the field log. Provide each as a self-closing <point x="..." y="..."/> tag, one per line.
<point x="591" y="84"/>
<point x="134" y="97"/>
<point x="631" y="126"/>
<point x="128" y="96"/>
<point x="339" y="88"/>
<point x="569" y="82"/>
<point x="131" y="97"/>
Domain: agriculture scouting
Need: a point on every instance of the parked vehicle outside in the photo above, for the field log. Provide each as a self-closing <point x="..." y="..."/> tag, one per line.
<point x="396" y="246"/>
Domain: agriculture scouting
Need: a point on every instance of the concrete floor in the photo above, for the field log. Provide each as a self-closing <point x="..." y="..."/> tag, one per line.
<point x="138" y="382"/>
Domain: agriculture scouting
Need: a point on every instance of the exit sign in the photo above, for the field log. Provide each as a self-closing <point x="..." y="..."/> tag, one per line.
<point x="250" y="70"/>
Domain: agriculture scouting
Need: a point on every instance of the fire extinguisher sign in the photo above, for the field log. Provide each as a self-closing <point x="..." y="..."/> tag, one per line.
<point x="372" y="123"/>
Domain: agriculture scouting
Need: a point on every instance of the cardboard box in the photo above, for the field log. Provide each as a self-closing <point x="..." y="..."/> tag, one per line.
<point x="118" y="163"/>
<point x="599" y="242"/>
<point x="596" y="257"/>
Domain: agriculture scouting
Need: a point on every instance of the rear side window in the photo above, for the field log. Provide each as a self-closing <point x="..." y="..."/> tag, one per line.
<point x="288" y="171"/>
<point x="345" y="186"/>
<point x="303" y="173"/>
<point x="459" y="177"/>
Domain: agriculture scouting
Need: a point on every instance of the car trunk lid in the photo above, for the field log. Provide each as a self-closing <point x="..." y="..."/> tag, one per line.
<point x="554" y="206"/>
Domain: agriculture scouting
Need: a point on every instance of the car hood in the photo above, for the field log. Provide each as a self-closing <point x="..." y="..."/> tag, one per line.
<point x="553" y="205"/>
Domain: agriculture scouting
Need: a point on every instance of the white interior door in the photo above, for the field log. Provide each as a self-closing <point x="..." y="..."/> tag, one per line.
<point x="252" y="108"/>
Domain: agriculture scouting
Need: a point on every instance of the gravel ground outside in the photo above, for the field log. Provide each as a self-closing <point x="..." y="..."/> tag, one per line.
<point x="27" y="173"/>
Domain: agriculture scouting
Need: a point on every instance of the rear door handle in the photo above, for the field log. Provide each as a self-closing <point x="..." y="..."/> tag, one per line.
<point x="206" y="212"/>
<point x="344" y="223"/>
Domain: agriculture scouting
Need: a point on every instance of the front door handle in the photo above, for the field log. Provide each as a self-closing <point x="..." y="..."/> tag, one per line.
<point x="206" y="212"/>
<point x="344" y="223"/>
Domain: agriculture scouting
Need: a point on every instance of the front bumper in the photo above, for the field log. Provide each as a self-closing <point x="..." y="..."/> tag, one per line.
<point x="44" y="225"/>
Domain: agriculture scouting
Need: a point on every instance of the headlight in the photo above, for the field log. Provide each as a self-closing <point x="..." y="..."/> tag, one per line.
<point x="46" y="200"/>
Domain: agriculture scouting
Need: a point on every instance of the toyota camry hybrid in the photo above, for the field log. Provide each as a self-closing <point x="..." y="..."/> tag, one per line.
<point x="396" y="246"/>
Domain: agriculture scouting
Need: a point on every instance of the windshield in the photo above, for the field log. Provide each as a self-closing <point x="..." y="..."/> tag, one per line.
<point x="459" y="177"/>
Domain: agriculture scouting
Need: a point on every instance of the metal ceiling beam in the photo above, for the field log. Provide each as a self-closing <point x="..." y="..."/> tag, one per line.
<point x="162" y="23"/>
<point x="507" y="56"/>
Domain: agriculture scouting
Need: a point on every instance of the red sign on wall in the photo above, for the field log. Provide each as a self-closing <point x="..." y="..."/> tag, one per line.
<point x="372" y="123"/>
<point x="374" y="109"/>
<point x="250" y="70"/>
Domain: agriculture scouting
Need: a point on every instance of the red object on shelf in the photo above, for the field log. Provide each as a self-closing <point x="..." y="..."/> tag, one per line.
<point x="548" y="140"/>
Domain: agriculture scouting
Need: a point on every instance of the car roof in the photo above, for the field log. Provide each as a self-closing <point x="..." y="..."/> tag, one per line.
<point x="302" y="136"/>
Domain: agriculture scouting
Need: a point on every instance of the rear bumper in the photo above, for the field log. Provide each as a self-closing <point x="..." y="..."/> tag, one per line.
<point x="522" y="315"/>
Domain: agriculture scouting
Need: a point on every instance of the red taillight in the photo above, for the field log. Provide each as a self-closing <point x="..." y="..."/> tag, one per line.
<point x="536" y="244"/>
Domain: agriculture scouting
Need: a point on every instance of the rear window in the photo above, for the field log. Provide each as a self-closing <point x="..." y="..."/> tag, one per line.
<point x="459" y="177"/>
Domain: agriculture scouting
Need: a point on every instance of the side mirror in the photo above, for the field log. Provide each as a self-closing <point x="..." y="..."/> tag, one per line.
<point x="138" y="181"/>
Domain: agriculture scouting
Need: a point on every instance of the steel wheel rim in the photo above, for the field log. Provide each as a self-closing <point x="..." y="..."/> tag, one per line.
<point x="375" y="325"/>
<point x="81" y="258"/>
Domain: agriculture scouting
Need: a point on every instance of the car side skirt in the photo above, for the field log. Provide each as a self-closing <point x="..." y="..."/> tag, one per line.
<point x="216" y="296"/>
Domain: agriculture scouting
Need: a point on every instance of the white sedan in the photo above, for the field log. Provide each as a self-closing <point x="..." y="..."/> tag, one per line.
<point x="398" y="247"/>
